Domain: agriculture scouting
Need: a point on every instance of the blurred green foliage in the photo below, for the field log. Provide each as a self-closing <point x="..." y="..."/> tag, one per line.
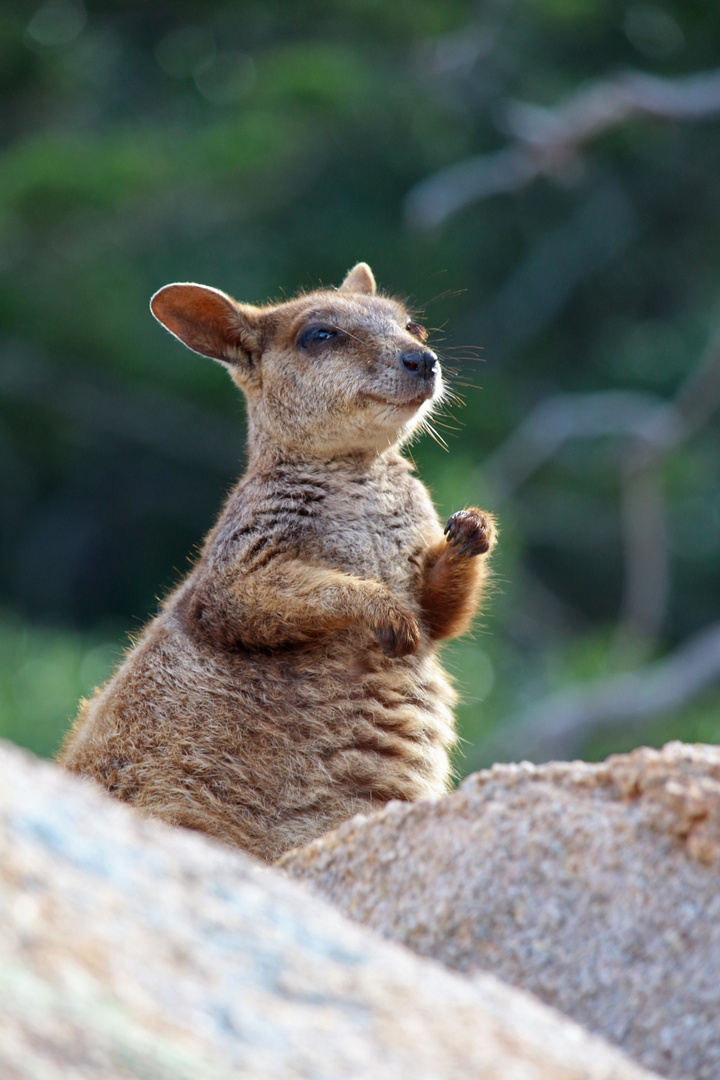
<point x="266" y="147"/>
<point x="43" y="674"/>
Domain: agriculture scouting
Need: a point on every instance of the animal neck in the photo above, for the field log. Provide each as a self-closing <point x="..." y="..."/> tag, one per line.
<point x="264" y="455"/>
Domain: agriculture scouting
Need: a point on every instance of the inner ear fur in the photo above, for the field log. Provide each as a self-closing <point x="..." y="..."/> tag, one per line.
<point x="208" y="321"/>
<point x="360" y="279"/>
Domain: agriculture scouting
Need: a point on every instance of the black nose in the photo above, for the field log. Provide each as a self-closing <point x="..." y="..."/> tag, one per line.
<point x="420" y="361"/>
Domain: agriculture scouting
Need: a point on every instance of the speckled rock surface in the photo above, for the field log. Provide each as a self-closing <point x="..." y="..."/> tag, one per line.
<point x="132" y="950"/>
<point x="596" y="887"/>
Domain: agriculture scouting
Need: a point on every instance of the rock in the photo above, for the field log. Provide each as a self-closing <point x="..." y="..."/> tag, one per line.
<point x="132" y="950"/>
<point x="596" y="887"/>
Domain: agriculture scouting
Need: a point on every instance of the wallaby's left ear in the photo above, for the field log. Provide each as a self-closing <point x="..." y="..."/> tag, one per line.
<point x="209" y="322"/>
<point x="360" y="279"/>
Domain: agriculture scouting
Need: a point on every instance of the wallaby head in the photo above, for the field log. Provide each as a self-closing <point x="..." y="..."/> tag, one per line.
<point x="335" y="371"/>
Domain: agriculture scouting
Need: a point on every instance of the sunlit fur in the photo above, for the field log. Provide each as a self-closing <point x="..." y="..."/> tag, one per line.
<point x="291" y="680"/>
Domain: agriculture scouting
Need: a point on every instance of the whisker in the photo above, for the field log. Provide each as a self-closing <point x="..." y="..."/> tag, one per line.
<point x="448" y="294"/>
<point x="434" y="435"/>
<point x="447" y="426"/>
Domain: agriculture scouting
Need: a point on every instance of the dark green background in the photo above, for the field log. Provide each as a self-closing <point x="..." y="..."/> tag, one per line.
<point x="264" y="148"/>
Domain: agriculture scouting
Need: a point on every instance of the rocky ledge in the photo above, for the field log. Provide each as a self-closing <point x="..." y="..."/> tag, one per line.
<point x="132" y="950"/>
<point x="595" y="887"/>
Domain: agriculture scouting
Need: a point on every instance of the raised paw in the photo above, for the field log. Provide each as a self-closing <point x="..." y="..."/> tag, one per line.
<point x="470" y="532"/>
<point x="398" y="634"/>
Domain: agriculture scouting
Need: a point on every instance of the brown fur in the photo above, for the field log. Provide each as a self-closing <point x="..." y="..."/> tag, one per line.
<point x="291" y="680"/>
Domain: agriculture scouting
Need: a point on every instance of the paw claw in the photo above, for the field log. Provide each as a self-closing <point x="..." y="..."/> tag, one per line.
<point x="473" y="530"/>
<point x="400" y="636"/>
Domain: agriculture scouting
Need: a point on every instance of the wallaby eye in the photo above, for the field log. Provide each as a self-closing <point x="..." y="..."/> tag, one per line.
<point x="417" y="331"/>
<point x="316" y="335"/>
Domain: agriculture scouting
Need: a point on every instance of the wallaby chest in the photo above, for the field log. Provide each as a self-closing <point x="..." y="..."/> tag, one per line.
<point x="368" y="521"/>
<point x="376" y="528"/>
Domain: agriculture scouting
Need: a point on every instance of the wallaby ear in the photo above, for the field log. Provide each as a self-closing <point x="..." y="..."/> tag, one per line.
<point x="208" y="321"/>
<point x="360" y="279"/>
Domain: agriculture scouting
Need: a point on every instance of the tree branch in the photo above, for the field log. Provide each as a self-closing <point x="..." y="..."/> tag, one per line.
<point x="547" y="140"/>
<point x="654" y="429"/>
<point x="557" y="419"/>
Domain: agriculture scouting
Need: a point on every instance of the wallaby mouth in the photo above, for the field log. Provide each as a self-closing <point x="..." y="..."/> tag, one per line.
<point x="410" y="396"/>
<point x="427" y="392"/>
<point x="426" y="388"/>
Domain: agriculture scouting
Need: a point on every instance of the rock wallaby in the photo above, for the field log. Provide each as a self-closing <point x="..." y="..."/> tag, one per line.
<point x="291" y="680"/>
